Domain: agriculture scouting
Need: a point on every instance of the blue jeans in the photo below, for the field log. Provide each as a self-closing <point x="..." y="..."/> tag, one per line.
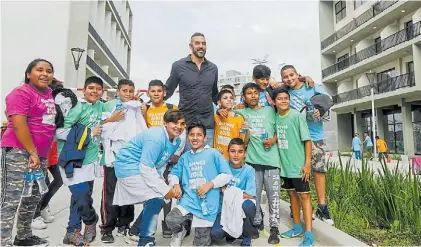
<point x="209" y="134"/>
<point x="249" y="229"/>
<point x="357" y="155"/>
<point x="149" y="220"/>
<point x="81" y="208"/>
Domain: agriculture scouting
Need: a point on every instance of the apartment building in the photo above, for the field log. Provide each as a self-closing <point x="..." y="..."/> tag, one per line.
<point x="50" y="29"/>
<point x="364" y="45"/>
<point x="237" y="80"/>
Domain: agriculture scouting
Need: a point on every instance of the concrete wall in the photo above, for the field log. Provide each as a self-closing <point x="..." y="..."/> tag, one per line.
<point x="326" y="19"/>
<point x="344" y="86"/>
<point x="344" y="125"/>
<point x="31" y="34"/>
<point x="350" y="13"/>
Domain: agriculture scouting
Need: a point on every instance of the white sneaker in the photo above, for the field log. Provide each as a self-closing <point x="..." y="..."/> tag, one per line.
<point x="38" y="224"/>
<point x="178" y="238"/>
<point x="46" y="216"/>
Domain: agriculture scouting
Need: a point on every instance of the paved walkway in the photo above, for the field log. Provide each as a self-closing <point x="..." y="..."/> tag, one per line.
<point x="59" y="207"/>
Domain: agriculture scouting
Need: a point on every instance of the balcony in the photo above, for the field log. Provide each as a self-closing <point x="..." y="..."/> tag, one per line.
<point x="375" y="49"/>
<point x="102" y="44"/>
<point x="95" y="67"/>
<point x="120" y="23"/>
<point x="375" y="10"/>
<point x="391" y="84"/>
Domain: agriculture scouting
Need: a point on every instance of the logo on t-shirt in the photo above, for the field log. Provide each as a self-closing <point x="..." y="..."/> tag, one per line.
<point x="50" y="115"/>
<point x="196" y="174"/>
<point x="281" y="130"/>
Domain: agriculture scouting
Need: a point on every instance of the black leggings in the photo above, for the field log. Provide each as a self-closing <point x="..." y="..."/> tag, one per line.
<point x="52" y="189"/>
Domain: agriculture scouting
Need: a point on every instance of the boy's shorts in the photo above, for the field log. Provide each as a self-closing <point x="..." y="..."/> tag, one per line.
<point x="296" y="184"/>
<point x="318" y="157"/>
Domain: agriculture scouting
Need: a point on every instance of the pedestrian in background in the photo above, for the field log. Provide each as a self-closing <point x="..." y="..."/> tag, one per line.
<point x="356" y="146"/>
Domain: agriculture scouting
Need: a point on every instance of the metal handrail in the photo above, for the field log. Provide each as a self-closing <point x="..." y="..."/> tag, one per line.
<point x="388" y="85"/>
<point x="95" y="67"/>
<point x="120" y="22"/>
<point x="384" y="44"/>
<point x="101" y="43"/>
<point x="373" y="11"/>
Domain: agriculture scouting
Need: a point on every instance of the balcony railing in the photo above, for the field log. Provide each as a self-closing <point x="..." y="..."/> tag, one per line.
<point x="101" y="43"/>
<point x="95" y="67"/>
<point x="373" y="11"/>
<point x="391" y="84"/>
<point x="120" y="22"/>
<point x="383" y="45"/>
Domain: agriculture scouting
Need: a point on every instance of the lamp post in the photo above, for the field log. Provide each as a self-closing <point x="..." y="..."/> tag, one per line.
<point x="371" y="78"/>
<point x="77" y="55"/>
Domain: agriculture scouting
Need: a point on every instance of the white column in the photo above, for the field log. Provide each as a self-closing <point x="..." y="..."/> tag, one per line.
<point x="117" y="53"/>
<point x="113" y="37"/>
<point x="91" y="54"/>
<point x="408" y="132"/>
<point x="100" y="27"/>
<point x="93" y="12"/>
<point x="107" y="34"/>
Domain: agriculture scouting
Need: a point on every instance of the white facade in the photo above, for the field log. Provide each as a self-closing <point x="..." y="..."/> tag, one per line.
<point x="384" y="38"/>
<point x="49" y="29"/>
<point x="235" y="79"/>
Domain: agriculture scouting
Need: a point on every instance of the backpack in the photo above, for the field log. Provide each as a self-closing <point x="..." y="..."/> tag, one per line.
<point x="169" y="106"/>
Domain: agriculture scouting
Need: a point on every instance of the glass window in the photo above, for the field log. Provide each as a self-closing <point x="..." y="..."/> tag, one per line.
<point x="385" y="75"/>
<point x="410" y="67"/>
<point x="358" y="3"/>
<point x="394" y="133"/>
<point x="416" y="126"/>
<point x="340" y="10"/>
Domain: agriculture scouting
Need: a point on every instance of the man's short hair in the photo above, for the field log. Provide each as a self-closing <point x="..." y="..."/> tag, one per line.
<point x="224" y="91"/>
<point x="249" y="85"/>
<point x="261" y="71"/>
<point x="288" y="66"/>
<point x="196" y="34"/>
<point x="156" y="83"/>
<point x="123" y="82"/>
<point x="197" y="124"/>
<point x="93" y="79"/>
<point x="173" y="116"/>
<point x="227" y="86"/>
<point x="237" y="141"/>
<point x="280" y="90"/>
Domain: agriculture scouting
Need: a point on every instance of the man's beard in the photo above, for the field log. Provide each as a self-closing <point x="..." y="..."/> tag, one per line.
<point x="199" y="56"/>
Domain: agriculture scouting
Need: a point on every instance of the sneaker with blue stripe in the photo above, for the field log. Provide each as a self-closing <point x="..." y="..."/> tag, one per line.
<point x="296" y="231"/>
<point x="308" y="240"/>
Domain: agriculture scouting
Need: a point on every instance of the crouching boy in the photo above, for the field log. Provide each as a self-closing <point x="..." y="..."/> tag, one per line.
<point x="244" y="178"/>
<point x="202" y="171"/>
<point x="139" y="169"/>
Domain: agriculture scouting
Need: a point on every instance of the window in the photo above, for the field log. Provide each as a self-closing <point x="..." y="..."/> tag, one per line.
<point x="409" y="30"/>
<point x="366" y="123"/>
<point x="343" y="62"/>
<point x="358" y="3"/>
<point x="416" y="126"/>
<point x="385" y="75"/>
<point x="340" y="10"/>
<point x="393" y="134"/>
<point x="378" y="43"/>
<point x="410" y="67"/>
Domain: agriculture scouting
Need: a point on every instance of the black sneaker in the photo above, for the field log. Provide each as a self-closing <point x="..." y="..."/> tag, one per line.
<point x="166" y="232"/>
<point x="122" y="231"/>
<point x="256" y="236"/>
<point x="30" y="241"/>
<point x="323" y="214"/>
<point x="187" y="225"/>
<point x="274" y="236"/>
<point x="230" y="239"/>
<point x="107" y="237"/>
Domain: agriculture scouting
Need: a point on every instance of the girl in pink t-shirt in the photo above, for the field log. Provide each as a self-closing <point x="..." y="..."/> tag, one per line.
<point x="31" y="113"/>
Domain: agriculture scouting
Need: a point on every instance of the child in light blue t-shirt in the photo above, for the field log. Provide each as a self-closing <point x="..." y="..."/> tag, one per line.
<point x="356" y="146"/>
<point x="244" y="178"/>
<point x="202" y="171"/>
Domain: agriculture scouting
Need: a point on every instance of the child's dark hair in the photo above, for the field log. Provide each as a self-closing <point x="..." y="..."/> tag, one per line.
<point x="366" y="132"/>
<point x="196" y="34"/>
<point x="288" y="66"/>
<point x="197" y="124"/>
<point x="250" y="85"/>
<point x="32" y="64"/>
<point x="237" y="141"/>
<point x="173" y="116"/>
<point x="123" y="82"/>
<point x="229" y="87"/>
<point x="93" y="79"/>
<point x="278" y="91"/>
<point x="156" y="83"/>
<point x="261" y="71"/>
<point x="224" y="91"/>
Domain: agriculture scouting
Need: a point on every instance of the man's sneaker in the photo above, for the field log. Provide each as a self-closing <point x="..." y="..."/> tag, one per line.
<point x="122" y="231"/>
<point x="177" y="238"/>
<point x="150" y="244"/>
<point x="246" y="242"/>
<point x="90" y="231"/>
<point x="107" y="237"/>
<point x="131" y="238"/>
<point x="166" y="232"/>
<point x="274" y="236"/>
<point x="308" y="239"/>
<point x="323" y="214"/>
<point x="297" y="231"/>
<point x="188" y="224"/>
<point x="230" y="239"/>
<point x="256" y="236"/>
<point x="30" y="241"/>
<point x="74" y="238"/>
<point x="38" y="224"/>
<point x="46" y="215"/>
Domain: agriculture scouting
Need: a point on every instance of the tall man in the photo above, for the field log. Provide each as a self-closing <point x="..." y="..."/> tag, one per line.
<point x="197" y="78"/>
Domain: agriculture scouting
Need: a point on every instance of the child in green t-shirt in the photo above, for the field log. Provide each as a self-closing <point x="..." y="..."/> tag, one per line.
<point x="294" y="144"/>
<point x="263" y="155"/>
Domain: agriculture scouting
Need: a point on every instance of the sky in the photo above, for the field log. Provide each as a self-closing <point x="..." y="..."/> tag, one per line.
<point x="236" y="32"/>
